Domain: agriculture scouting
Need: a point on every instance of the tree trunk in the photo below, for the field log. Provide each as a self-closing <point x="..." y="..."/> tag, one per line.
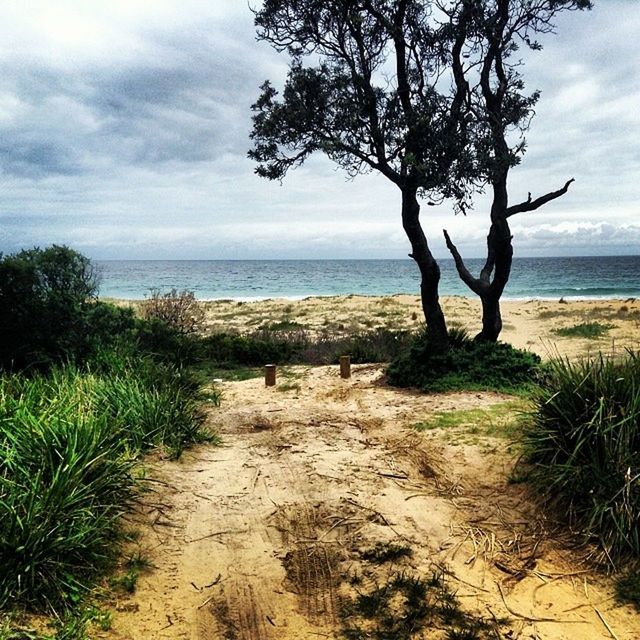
<point x="500" y="248"/>
<point x="429" y="269"/>
<point x="491" y="318"/>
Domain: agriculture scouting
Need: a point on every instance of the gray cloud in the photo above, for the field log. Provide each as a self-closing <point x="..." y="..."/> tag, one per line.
<point x="124" y="128"/>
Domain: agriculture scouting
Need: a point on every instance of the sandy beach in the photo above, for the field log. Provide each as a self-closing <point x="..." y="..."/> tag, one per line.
<point x="266" y="538"/>
<point x="530" y="324"/>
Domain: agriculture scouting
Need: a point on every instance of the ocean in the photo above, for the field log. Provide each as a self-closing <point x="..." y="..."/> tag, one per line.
<point x="542" y="278"/>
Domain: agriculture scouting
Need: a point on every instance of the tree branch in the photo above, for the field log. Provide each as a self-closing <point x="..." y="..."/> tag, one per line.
<point x="531" y="205"/>
<point x="465" y="275"/>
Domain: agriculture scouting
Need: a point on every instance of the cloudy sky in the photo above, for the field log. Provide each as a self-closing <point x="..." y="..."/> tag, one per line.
<point x="124" y="129"/>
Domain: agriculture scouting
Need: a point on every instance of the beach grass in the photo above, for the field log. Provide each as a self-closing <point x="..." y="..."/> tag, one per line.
<point x="501" y="420"/>
<point x="69" y="444"/>
<point x="582" y="445"/>
<point x="589" y="330"/>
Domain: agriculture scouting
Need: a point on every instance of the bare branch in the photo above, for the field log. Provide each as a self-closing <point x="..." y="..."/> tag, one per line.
<point x="465" y="275"/>
<point x="531" y="205"/>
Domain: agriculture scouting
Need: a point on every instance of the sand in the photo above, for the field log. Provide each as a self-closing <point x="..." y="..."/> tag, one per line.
<point x="526" y="324"/>
<point x="261" y="538"/>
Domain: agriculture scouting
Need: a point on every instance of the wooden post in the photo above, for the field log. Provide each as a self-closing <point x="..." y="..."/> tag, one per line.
<point x="270" y="375"/>
<point x="345" y="366"/>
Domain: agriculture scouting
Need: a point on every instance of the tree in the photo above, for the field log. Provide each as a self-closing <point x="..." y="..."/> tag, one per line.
<point x="500" y="107"/>
<point x="44" y="298"/>
<point x="381" y="97"/>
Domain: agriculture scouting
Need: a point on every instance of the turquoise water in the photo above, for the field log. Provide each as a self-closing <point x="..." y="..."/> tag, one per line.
<point x="552" y="278"/>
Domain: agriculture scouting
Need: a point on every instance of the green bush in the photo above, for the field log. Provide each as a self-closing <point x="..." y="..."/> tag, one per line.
<point x="165" y="344"/>
<point x="583" y="447"/>
<point x="259" y="348"/>
<point x="44" y="294"/>
<point x="68" y="443"/>
<point x="466" y="364"/>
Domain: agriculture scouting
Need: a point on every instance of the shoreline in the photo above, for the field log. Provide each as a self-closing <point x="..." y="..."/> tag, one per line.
<point x="301" y="298"/>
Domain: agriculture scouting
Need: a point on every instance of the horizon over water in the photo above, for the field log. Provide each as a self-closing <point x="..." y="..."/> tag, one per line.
<point x="545" y="278"/>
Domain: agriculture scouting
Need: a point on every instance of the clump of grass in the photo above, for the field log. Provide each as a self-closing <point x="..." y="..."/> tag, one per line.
<point x="288" y="386"/>
<point x="69" y="441"/>
<point x="590" y="330"/>
<point x="466" y="364"/>
<point x="582" y="443"/>
<point x="498" y="420"/>
<point x="405" y="605"/>
<point x="134" y="565"/>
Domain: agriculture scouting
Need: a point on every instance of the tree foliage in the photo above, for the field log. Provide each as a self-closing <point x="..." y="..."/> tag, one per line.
<point x="379" y="97"/>
<point x="44" y="294"/>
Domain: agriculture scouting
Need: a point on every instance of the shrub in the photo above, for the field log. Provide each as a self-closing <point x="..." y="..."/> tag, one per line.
<point x="583" y="447"/>
<point x="179" y="310"/>
<point x="466" y="364"/>
<point x="44" y="294"/>
<point x="165" y="344"/>
<point x="259" y="348"/>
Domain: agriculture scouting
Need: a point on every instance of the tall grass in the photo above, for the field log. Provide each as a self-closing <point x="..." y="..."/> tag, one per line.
<point x="68" y="444"/>
<point x="583" y="442"/>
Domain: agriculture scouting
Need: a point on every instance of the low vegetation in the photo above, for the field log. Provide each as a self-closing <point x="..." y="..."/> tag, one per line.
<point x="582" y="446"/>
<point x="69" y="441"/>
<point x="501" y="420"/>
<point x="178" y="310"/>
<point x="283" y="346"/>
<point x="85" y="390"/>
<point x="467" y="364"/>
<point x="589" y="330"/>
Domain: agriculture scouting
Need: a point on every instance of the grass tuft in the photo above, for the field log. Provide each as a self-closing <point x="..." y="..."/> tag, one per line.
<point x="582" y="445"/>
<point x="590" y="330"/>
<point x="69" y="442"/>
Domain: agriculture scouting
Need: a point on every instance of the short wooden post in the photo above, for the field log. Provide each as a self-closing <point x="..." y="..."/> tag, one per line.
<point x="345" y="366"/>
<point x="270" y="375"/>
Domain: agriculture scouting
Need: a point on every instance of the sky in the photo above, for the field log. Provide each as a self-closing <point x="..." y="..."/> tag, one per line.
<point x="124" y="129"/>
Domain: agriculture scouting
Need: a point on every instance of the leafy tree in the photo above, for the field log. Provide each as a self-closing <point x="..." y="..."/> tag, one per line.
<point x="378" y="96"/>
<point x="494" y="90"/>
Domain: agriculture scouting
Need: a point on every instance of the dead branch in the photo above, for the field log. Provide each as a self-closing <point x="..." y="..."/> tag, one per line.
<point x="531" y="205"/>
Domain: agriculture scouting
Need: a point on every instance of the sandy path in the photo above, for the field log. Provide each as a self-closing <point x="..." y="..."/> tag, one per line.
<point x="257" y="539"/>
